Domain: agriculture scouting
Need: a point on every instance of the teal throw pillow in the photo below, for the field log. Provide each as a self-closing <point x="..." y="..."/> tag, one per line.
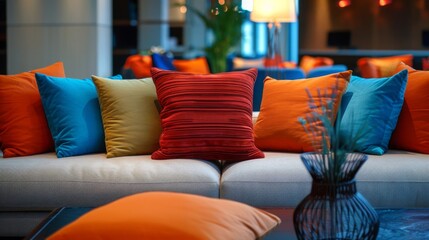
<point x="73" y="113"/>
<point x="370" y="109"/>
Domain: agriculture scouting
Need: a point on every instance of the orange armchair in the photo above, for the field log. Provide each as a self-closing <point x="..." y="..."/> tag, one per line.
<point x="382" y="66"/>
<point x="307" y="62"/>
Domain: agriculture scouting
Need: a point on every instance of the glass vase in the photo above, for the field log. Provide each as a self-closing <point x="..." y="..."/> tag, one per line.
<point x="334" y="209"/>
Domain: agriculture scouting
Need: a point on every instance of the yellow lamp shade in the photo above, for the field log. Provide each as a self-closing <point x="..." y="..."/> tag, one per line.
<point x="273" y="11"/>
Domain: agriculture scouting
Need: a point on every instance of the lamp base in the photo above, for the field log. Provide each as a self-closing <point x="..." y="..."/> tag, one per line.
<point x="274" y="58"/>
<point x="274" y="62"/>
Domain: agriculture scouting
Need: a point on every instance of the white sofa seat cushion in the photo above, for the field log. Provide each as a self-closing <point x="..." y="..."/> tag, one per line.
<point x="46" y="182"/>
<point x="397" y="179"/>
<point x="280" y="179"/>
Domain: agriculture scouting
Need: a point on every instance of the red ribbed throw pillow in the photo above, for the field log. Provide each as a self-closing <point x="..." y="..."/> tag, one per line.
<point x="206" y="116"/>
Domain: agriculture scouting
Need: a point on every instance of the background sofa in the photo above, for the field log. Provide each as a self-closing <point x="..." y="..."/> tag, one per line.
<point x="32" y="186"/>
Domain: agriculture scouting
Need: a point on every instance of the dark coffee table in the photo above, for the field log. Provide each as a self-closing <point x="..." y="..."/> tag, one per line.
<point x="394" y="223"/>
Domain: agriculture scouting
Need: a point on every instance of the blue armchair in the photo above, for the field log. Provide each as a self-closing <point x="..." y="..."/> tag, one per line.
<point x="325" y="70"/>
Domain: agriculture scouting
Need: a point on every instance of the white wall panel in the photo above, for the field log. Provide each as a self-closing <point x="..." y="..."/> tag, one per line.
<point x="76" y="32"/>
<point x="153" y="24"/>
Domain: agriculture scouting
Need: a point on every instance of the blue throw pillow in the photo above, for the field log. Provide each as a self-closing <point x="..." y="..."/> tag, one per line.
<point x="73" y="114"/>
<point x="370" y="110"/>
<point x="161" y="61"/>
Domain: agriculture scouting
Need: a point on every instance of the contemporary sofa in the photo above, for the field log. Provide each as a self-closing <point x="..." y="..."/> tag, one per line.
<point x="32" y="186"/>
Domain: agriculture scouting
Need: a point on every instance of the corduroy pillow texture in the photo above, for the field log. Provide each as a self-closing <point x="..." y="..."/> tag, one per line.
<point x="206" y="116"/>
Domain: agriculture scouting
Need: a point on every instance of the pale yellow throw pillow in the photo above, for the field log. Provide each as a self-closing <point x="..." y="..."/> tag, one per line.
<point x="243" y="63"/>
<point x="386" y="67"/>
<point x="130" y="118"/>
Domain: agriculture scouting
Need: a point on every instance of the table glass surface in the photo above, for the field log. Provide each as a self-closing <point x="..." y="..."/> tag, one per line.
<point x="401" y="224"/>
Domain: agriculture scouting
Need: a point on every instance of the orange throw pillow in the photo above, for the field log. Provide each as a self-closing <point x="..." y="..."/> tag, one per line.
<point x="141" y="65"/>
<point x="284" y="102"/>
<point x="412" y="129"/>
<point x="197" y="65"/>
<point x="307" y="62"/>
<point x="131" y="59"/>
<point x="382" y="66"/>
<point x="164" y="215"/>
<point x="23" y="127"/>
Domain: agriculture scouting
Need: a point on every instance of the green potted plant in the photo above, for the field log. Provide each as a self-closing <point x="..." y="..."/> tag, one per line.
<point x="224" y="22"/>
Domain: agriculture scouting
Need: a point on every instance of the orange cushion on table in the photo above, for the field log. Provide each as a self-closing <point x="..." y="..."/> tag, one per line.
<point x="412" y="129"/>
<point x="163" y="215"/>
<point x="196" y="65"/>
<point x="307" y="62"/>
<point x="23" y="126"/>
<point x="284" y="102"/>
<point x="382" y="66"/>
